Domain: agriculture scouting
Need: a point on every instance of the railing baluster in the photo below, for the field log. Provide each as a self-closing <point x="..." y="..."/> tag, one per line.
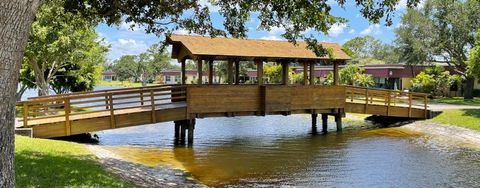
<point x="388" y="102"/>
<point x="66" y="108"/>
<point x="112" y="111"/>
<point x="366" y="100"/>
<point x="25" y="114"/>
<point x="409" y="104"/>
<point x="152" y="103"/>
<point x="426" y="106"/>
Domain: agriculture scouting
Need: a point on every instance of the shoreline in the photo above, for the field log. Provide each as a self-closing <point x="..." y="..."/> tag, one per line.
<point x="141" y="175"/>
<point x="449" y="134"/>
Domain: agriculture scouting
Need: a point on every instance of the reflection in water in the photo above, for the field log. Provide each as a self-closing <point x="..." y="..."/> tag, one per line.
<point x="278" y="150"/>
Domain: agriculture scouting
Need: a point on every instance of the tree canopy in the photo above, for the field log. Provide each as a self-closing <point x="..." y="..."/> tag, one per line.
<point x="441" y="30"/>
<point x="368" y="50"/>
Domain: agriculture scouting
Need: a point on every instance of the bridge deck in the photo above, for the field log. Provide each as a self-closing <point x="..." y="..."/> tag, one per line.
<point x="75" y="113"/>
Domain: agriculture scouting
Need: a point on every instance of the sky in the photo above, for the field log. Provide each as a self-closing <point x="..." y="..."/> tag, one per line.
<point x="125" y="40"/>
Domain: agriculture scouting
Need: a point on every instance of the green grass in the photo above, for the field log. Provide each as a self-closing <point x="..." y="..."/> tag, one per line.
<point x="457" y="100"/>
<point x="468" y="118"/>
<point x="120" y="83"/>
<point x="51" y="163"/>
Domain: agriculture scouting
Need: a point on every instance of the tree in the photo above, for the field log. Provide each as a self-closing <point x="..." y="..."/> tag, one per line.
<point x="351" y="74"/>
<point x="441" y="30"/>
<point x="160" y="17"/>
<point x="474" y="58"/>
<point x="143" y="67"/>
<point x="57" y="39"/>
<point x="368" y="50"/>
<point x="435" y="80"/>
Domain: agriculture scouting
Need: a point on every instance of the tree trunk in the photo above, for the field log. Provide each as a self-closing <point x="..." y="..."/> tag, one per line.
<point x="20" y="92"/>
<point x="16" y="17"/>
<point x="468" y="89"/>
<point x="40" y="81"/>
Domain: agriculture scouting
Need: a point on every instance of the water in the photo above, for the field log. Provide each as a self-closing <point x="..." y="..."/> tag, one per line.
<point x="280" y="151"/>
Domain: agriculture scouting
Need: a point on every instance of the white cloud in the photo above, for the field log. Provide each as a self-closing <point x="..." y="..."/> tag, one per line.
<point x="276" y="30"/>
<point x="130" y="26"/>
<point x="181" y="32"/>
<point x="372" y="30"/>
<point x="402" y="4"/>
<point x="125" y="46"/>
<point x="352" y="31"/>
<point x="336" y="29"/>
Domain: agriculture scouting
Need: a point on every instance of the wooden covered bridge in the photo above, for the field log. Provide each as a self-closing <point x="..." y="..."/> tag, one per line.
<point x="83" y="112"/>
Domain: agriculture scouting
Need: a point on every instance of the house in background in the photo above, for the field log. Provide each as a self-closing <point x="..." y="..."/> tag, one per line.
<point x="108" y="76"/>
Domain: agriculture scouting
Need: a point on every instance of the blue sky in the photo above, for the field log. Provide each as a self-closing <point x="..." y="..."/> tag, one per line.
<point x="127" y="41"/>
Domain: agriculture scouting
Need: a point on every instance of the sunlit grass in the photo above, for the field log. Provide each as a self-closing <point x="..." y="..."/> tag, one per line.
<point x="457" y="100"/>
<point x="468" y="118"/>
<point x="51" y="163"/>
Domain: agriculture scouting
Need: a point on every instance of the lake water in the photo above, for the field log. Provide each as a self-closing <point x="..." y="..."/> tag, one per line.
<point x="280" y="151"/>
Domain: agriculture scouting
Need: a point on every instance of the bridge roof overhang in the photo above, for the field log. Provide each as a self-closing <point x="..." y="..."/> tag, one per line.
<point x="220" y="48"/>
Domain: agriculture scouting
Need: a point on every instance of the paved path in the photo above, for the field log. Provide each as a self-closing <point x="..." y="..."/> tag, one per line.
<point x="443" y="106"/>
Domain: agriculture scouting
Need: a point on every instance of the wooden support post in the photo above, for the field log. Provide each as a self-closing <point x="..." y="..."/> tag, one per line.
<point x="338" y="121"/>
<point x="66" y="108"/>
<point x="200" y="71"/>
<point x="106" y="102"/>
<point x="152" y="104"/>
<point x="305" y="73"/>
<point x="191" y="127"/>
<point x="237" y="72"/>
<point x="324" y="123"/>
<point x="259" y="72"/>
<point x="335" y="73"/>
<point x="112" y="112"/>
<point x="314" y="123"/>
<point x="176" y="133"/>
<point x="284" y="73"/>
<point x="230" y="72"/>
<point x="141" y="97"/>
<point x="210" y="72"/>
<point x="183" y="131"/>
<point x="25" y="114"/>
<point x="312" y="73"/>
<point x="184" y="76"/>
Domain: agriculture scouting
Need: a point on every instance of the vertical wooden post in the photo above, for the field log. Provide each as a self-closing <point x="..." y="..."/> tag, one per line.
<point x="184" y="77"/>
<point x="284" y="73"/>
<point x="366" y="100"/>
<point x="66" y="108"/>
<point x="25" y="114"/>
<point x="409" y="104"/>
<point x="183" y="130"/>
<point x="312" y="73"/>
<point x="200" y="71"/>
<point x="314" y="123"/>
<point x="230" y="72"/>
<point x="237" y="72"/>
<point x="177" y="130"/>
<point x="191" y="127"/>
<point x="210" y="72"/>
<point x="388" y="103"/>
<point x="112" y="112"/>
<point x="305" y="73"/>
<point x="259" y="72"/>
<point x="338" y="120"/>
<point x="324" y="123"/>
<point x="425" y="99"/>
<point x="152" y="104"/>
<point x="335" y="73"/>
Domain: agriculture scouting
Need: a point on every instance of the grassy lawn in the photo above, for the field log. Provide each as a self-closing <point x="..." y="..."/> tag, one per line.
<point x="457" y="100"/>
<point x="469" y="118"/>
<point x="51" y="163"/>
<point x="120" y="83"/>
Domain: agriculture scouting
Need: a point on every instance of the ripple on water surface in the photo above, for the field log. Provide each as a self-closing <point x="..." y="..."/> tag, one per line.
<point x="278" y="150"/>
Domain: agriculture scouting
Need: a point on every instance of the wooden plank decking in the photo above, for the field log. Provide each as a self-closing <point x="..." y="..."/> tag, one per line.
<point x="69" y="114"/>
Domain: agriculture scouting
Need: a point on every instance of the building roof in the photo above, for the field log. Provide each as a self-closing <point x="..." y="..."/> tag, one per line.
<point x="187" y="46"/>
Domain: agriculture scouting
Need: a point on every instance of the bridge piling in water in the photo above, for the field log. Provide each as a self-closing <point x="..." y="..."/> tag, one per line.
<point x="338" y="121"/>
<point x="314" y="123"/>
<point x="324" y="123"/>
<point x="191" y="127"/>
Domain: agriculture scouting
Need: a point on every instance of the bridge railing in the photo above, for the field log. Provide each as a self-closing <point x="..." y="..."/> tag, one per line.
<point x="389" y="98"/>
<point x="66" y="107"/>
